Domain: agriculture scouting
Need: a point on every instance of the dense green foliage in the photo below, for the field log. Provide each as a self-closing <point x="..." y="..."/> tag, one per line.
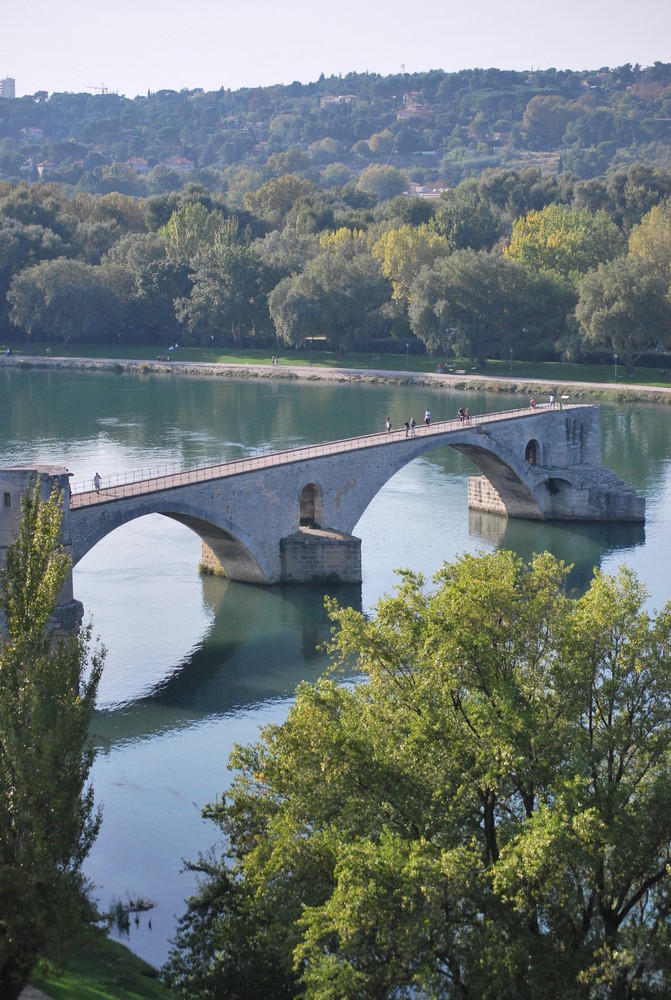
<point x="47" y="695"/>
<point x="486" y="814"/>
<point x="435" y="125"/>
<point x="191" y="216"/>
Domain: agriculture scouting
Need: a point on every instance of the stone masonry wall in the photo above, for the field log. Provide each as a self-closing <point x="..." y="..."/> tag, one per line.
<point x="483" y="496"/>
<point x="312" y="556"/>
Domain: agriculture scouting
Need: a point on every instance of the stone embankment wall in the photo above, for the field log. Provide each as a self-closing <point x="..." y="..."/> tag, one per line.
<point x="623" y="392"/>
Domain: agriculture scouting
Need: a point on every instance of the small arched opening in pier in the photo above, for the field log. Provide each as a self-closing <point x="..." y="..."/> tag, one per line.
<point x="311" y="506"/>
<point x="532" y="452"/>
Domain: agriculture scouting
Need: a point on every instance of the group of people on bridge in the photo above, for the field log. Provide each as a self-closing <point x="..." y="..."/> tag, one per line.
<point x="410" y="425"/>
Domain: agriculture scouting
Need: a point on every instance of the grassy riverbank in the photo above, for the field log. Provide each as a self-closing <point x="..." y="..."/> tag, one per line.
<point x="611" y="374"/>
<point x="103" y="971"/>
<point x="588" y="383"/>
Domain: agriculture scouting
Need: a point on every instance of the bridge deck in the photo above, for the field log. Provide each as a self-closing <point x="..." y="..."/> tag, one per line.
<point x="83" y="495"/>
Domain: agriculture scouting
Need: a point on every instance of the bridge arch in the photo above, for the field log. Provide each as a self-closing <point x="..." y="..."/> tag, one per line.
<point x="506" y="469"/>
<point x="505" y="472"/>
<point x="239" y="555"/>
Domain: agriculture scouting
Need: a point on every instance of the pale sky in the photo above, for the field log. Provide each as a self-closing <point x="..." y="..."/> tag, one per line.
<point x="132" y="46"/>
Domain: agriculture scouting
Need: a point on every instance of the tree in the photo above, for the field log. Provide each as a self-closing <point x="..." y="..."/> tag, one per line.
<point x="157" y="282"/>
<point x="229" y="294"/>
<point x="188" y="229"/>
<point x="568" y="241"/>
<point x="545" y="119"/>
<point x="382" y="180"/>
<point x="403" y="252"/>
<point x="466" y="220"/>
<point x="634" y="190"/>
<point x="486" y="814"/>
<point x="624" y="307"/>
<point x="274" y="199"/>
<point x="651" y="239"/>
<point x="338" y="295"/>
<point x="473" y="304"/>
<point x="48" y="687"/>
<point x="286" y="252"/>
<point x="21" y="246"/>
<point x="68" y="299"/>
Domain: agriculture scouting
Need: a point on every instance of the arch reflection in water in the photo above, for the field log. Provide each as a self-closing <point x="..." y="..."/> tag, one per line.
<point x="262" y="643"/>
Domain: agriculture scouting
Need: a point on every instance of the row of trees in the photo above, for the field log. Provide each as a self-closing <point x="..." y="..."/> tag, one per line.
<point x="487" y="814"/>
<point x="515" y="263"/>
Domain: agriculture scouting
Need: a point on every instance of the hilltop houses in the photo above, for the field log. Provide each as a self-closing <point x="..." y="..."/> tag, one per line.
<point x="179" y="163"/>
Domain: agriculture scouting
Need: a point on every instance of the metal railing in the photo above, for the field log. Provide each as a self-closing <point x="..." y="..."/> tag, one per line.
<point x="166" y="477"/>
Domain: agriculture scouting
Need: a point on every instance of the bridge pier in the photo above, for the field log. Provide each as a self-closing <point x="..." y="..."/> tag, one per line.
<point x="312" y="555"/>
<point x="590" y="494"/>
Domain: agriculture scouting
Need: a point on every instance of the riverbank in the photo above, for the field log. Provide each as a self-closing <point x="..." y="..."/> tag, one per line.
<point x="101" y="970"/>
<point x="460" y="381"/>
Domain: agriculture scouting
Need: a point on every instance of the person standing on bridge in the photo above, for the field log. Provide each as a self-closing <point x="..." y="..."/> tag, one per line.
<point x="407" y="427"/>
<point x="412" y="427"/>
<point x="427" y="417"/>
<point x="388" y="425"/>
<point x="96" y="482"/>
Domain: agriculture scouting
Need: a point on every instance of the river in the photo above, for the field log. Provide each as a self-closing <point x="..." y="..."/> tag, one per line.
<point x="197" y="664"/>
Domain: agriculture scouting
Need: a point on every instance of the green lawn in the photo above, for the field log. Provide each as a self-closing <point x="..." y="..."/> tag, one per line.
<point x="554" y="371"/>
<point x="104" y="971"/>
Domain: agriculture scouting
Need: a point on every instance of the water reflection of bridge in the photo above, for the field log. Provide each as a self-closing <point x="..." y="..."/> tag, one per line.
<point x="263" y="641"/>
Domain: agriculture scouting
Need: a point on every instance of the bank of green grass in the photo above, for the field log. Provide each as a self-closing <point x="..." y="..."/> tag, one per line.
<point x="102" y="971"/>
<point x="559" y="372"/>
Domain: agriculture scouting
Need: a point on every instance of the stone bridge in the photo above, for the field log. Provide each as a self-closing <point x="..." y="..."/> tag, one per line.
<point x="289" y="516"/>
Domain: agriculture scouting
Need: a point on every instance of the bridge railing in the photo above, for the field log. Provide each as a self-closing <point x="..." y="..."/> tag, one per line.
<point x="169" y="476"/>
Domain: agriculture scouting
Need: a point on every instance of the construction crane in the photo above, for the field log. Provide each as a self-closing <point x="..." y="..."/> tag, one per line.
<point x="102" y="89"/>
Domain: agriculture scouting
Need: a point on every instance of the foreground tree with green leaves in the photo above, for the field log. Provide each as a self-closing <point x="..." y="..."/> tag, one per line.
<point x="48" y="821"/>
<point x="486" y="814"/>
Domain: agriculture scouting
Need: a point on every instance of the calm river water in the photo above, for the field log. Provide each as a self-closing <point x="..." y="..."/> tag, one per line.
<point x="195" y="664"/>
